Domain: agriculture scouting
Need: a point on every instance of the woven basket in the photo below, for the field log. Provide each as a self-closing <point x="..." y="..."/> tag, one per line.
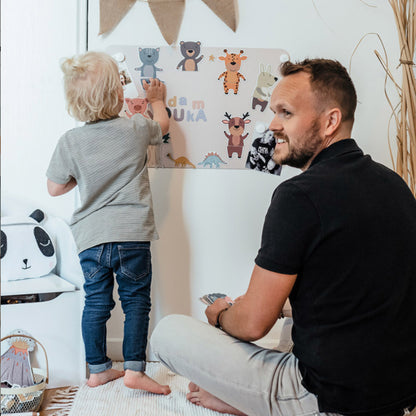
<point x="25" y="399"/>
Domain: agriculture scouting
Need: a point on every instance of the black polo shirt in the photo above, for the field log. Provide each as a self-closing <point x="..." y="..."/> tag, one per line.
<point x="347" y="228"/>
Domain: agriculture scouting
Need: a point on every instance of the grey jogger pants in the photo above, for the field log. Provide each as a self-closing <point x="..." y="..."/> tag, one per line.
<point x="255" y="380"/>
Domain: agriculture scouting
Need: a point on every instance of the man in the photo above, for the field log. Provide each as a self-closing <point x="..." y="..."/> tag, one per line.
<point x="339" y="240"/>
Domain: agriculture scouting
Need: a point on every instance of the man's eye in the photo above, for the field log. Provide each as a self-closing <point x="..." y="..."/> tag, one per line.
<point x="285" y="113"/>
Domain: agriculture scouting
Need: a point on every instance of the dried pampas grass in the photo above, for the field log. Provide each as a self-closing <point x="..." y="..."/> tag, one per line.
<point x="404" y="113"/>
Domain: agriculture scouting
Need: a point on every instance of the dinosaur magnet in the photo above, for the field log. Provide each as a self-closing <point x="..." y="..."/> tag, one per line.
<point x="181" y="162"/>
<point x="212" y="159"/>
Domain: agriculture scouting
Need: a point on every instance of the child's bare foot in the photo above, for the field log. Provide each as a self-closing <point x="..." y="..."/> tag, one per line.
<point x="139" y="380"/>
<point x="202" y="398"/>
<point x="98" y="379"/>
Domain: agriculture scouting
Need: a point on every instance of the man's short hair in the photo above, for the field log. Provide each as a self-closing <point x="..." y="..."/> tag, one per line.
<point x="92" y="86"/>
<point x="329" y="81"/>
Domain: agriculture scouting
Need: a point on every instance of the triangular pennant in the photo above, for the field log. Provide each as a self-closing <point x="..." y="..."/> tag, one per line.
<point x="168" y="15"/>
<point x="225" y="10"/>
<point x="111" y="12"/>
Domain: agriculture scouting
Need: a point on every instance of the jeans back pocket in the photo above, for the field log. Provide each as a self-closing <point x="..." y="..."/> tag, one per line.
<point x="135" y="260"/>
<point x="90" y="260"/>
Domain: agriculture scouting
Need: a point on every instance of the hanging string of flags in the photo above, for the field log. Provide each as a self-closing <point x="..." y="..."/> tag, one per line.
<point x="167" y="13"/>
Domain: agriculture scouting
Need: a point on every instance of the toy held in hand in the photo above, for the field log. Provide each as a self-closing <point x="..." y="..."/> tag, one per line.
<point x="210" y="298"/>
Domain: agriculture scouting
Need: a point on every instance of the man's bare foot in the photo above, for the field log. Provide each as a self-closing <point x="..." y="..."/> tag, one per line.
<point x="202" y="398"/>
<point x="139" y="380"/>
<point x="98" y="379"/>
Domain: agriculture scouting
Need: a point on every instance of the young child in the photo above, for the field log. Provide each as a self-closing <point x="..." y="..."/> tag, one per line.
<point x="114" y="223"/>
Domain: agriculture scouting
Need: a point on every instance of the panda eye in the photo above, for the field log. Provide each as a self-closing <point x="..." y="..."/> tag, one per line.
<point x="3" y="244"/>
<point x="44" y="242"/>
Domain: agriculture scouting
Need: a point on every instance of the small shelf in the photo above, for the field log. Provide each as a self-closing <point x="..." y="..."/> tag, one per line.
<point x="51" y="283"/>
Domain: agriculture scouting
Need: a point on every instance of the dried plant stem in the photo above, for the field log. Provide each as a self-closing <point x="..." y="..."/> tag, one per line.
<point x="404" y="14"/>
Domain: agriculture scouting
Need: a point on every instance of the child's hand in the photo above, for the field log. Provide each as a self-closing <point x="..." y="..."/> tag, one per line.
<point x="155" y="90"/>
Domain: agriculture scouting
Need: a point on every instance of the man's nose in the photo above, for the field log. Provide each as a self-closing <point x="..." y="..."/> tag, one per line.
<point x="276" y="124"/>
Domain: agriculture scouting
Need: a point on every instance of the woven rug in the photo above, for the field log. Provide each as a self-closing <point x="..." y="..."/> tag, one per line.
<point x="114" y="399"/>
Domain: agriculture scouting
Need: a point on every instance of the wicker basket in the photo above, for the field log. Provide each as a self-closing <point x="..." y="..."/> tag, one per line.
<point x="25" y="399"/>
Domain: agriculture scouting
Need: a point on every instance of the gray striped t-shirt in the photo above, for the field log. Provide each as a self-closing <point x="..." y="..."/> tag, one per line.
<point x="108" y="160"/>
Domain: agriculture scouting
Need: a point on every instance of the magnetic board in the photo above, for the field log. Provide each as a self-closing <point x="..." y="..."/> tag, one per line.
<point x="218" y="98"/>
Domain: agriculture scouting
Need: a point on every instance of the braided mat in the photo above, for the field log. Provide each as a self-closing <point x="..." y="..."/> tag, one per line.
<point x="113" y="399"/>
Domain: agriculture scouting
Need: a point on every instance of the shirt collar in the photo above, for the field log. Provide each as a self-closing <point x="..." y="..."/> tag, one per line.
<point x="100" y="120"/>
<point x="337" y="149"/>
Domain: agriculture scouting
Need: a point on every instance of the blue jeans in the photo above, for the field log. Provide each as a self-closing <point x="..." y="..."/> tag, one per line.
<point x="131" y="263"/>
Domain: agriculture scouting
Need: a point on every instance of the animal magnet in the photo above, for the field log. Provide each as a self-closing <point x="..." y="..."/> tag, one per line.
<point x="27" y="250"/>
<point x="190" y="51"/>
<point x="135" y="106"/>
<point x="231" y="75"/>
<point x="125" y="75"/>
<point x="212" y="159"/>
<point x="124" y="79"/>
<point x="149" y="57"/>
<point x="262" y="93"/>
<point x="236" y="126"/>
<point x="260" y="157"/>
<point x="181" y="161"/>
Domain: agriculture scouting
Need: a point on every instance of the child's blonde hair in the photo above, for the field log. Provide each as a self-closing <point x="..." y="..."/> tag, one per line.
<point x="92" y="86"/>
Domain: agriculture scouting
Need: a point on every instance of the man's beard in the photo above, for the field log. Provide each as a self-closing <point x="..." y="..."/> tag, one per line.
<point x="300" y="157"/>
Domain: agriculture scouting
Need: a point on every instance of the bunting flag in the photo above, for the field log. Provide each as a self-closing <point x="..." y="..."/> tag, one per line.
<point x="111" y="12"/>
<point x="167" y="13"/>
<point x="225" y="10"/>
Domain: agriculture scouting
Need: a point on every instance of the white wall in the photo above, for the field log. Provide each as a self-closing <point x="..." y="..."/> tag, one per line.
<point x="35" y="35"/>
<point x="209" y="221"/>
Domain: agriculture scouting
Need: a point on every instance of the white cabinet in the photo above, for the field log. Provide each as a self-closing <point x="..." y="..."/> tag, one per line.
<point x="56" y="323"/>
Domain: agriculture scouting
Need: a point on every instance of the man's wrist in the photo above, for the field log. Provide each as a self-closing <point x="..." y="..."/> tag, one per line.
<point x="218" y="323"/>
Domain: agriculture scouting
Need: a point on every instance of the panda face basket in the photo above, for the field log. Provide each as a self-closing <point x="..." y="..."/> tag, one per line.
<point x="25" y="399"/>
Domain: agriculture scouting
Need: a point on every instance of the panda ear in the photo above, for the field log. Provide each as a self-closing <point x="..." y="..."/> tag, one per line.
<point x="37" y="215"/>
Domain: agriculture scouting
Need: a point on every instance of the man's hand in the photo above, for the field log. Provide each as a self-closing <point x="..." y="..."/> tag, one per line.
<point x="254" y="313"/>
<point x="213" y="310"/>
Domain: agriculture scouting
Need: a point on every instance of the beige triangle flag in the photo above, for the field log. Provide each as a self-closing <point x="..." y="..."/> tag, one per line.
<point x="111" y="12"/>
<point x="168" y="15"/>
<point x="225" y="10"/>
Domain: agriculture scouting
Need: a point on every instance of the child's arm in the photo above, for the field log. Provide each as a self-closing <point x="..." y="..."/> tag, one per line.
<point x="56" y="189"/>
<point x="156" y="95"/>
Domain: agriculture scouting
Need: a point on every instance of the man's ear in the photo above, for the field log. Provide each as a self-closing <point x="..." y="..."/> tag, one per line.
<point x="332" y="121"/>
